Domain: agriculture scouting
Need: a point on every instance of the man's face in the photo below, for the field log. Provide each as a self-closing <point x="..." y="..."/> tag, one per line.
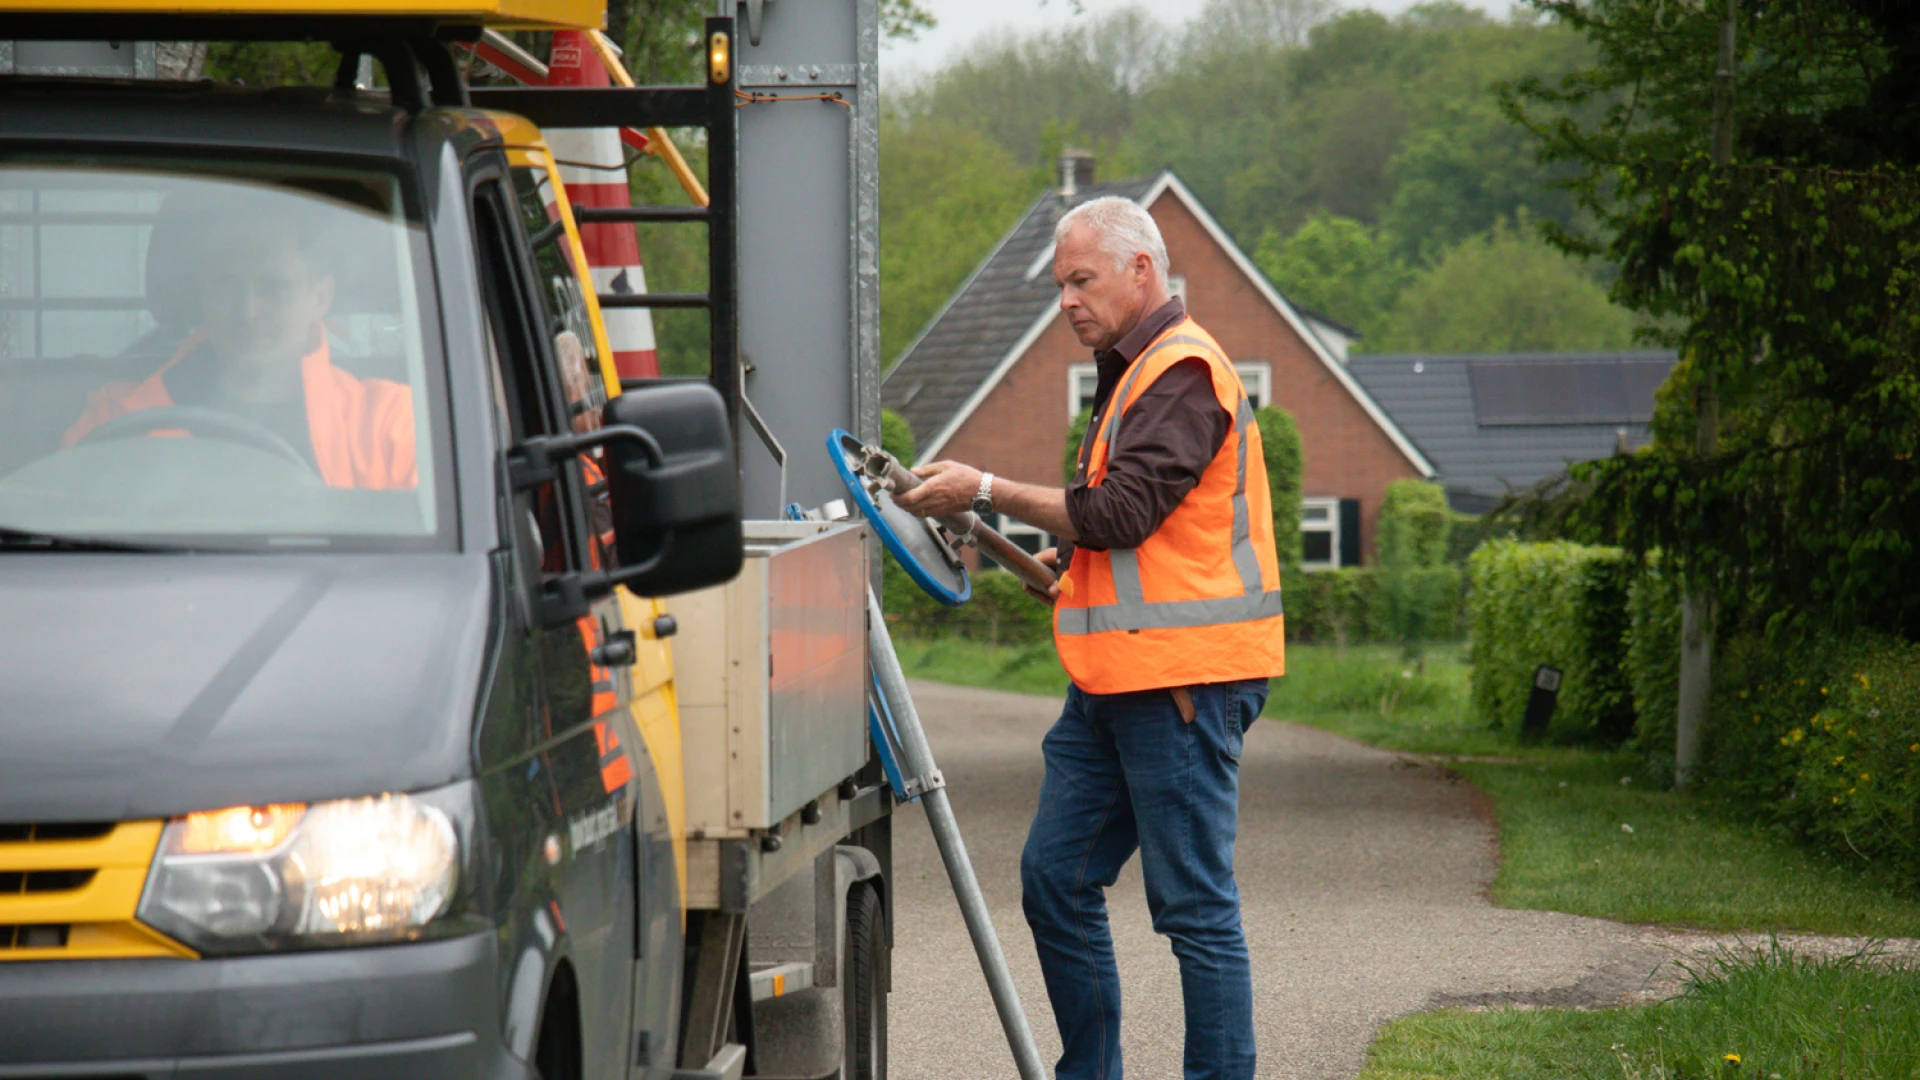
<point x="1103" y="297"/>
<point x="261" y="298"/>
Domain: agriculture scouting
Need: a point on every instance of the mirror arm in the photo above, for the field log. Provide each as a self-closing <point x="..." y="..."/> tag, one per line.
<point x="537" y="460"/>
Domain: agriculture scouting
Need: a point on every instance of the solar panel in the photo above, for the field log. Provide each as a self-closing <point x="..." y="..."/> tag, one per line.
<point x="1596" y="391"/>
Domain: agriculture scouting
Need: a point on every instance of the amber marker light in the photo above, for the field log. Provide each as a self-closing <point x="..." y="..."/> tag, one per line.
<point x="238" y="830"/>
<point x="719" y="58"/>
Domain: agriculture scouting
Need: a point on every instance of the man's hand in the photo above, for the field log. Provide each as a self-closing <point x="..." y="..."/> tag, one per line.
<point x="947" y="488"/>
<point x="1050" y="558"/>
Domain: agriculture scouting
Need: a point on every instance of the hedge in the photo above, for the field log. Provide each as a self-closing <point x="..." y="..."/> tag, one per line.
<point x="1343" y="606"/>
<point x="1357" y="605"/>
<point x="1561" y="604"/>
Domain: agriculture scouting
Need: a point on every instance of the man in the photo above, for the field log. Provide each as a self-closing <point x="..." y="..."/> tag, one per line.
<point x="1167" y="617"/>
<point x="260" y="351"/>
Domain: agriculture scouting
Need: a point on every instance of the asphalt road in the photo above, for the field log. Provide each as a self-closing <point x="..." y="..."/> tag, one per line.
<point x="1363" y="875"/>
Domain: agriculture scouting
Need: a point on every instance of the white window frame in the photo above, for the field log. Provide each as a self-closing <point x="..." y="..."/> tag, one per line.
<point x="1331" y="527"/>
<point x="1076" y="373"/>
<point x="1177" y="285"/>
<point x="1257" y="377"/>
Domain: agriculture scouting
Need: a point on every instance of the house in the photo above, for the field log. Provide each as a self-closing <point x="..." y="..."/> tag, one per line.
<point x="1492" y="424"/>
<point x="997" y="377"/>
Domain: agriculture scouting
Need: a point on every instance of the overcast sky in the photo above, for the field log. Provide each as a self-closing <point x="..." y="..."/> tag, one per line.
<point x="964" y="21"/>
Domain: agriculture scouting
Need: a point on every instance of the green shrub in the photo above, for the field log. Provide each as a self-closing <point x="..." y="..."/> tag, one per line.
<point x="1556" y="603"/>
<point x="1281" y="452"/>
<point x="1653" y="663"/>
<point x="1414" y="523"/>
<point x="1070" y="454"/>
<point x="1822" y="735"/>
<point x="1000" y="612"/>
<point x="896" y="436"/>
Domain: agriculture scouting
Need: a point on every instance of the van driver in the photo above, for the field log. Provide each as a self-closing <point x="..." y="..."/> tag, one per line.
<point x="260" y="352"/>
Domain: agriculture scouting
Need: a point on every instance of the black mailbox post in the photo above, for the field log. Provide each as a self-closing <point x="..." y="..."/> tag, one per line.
<point x="1546" y="693"/>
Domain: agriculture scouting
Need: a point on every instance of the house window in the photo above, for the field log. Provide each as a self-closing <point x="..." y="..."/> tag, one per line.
<point x="1258" y="380"/>
<point x="1177" y="285"/>
<point x="1082" y="381"/>
<point x="1024" y="536"/>
<point x="1319" y="534"/>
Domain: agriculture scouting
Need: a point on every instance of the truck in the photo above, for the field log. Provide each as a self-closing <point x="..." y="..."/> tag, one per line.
<point x="388" y="687"/>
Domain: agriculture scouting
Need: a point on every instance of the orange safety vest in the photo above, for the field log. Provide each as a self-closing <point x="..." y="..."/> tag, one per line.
<point x="1199" y="600"/>
<point x="362" y="429"/>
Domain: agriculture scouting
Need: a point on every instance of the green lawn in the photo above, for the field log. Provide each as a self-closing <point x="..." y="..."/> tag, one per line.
<point x="1777" y="1016"/>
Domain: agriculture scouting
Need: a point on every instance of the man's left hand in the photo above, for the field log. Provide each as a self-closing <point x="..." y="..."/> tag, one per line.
<point x="947" y="488"/>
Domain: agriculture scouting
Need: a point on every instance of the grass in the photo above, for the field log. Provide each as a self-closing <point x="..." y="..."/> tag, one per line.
<point x="1775" y="1015"/>
<point x="1574" y="837"/>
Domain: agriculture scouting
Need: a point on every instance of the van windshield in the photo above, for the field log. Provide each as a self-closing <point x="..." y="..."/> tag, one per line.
<point x="206" y="356"/>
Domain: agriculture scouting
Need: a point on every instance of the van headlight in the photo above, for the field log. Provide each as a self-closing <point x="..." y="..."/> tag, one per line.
<point x="346" y="872"/>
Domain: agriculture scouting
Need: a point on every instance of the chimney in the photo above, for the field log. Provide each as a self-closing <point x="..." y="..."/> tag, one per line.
<point x="1076" y="171"/>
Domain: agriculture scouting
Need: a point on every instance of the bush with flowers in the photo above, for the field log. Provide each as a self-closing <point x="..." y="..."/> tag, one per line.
<point x="1825" y="735"/>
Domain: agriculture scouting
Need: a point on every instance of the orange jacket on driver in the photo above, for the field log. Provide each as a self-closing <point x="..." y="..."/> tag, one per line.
<point x="362" y="429"/>
<point x="1199" y="600"/>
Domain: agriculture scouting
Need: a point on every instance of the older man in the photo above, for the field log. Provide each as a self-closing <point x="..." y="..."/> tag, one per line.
<point x="1167" y="617"/>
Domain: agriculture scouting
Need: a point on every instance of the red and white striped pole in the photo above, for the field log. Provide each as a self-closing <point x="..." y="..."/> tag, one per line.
<point x="613" y="251"/>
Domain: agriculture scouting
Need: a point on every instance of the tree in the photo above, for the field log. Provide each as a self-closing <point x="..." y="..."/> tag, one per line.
<point x="1335" y="265"/>
<point x="947" y="195"/>
<point x="896" y="436"/>
<point x="1785" y="469"/>
<point x="1506" y="291"/>
<point x="1416" y="584"/>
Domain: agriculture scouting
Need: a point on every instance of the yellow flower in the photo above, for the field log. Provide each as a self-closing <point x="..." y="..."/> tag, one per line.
<point x="1914" y="749"/>
<point x="1864" y="777"/>
<point x="1864" y="684"/>
<point x="1795" y="734"/>
<point x="1836" y="798"/>
<point x="1732" y="1059"/>
<point x="1840" y="759"/>
<point x="1823" y="691"/>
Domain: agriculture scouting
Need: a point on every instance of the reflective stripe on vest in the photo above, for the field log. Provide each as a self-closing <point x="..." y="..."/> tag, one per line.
<point x="1131" y="610"/>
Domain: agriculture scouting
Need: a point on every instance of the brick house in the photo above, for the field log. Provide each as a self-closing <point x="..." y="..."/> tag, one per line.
<point x="997" y="377"/>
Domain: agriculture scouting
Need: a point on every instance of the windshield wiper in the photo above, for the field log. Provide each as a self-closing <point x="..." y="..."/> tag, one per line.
<point x="28" y="540"/>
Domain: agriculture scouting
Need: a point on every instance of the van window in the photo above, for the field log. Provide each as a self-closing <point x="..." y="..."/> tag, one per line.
<point x="205" y="355"/>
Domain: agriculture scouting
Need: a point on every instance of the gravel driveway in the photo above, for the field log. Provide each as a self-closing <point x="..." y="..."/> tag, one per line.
<point x="1363" y="875"/>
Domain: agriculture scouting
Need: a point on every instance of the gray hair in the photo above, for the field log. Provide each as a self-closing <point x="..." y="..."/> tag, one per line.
<point x="1123" y="229"/>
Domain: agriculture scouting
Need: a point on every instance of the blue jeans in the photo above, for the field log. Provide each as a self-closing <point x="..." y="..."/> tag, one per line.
<point x="1125" y="772"/>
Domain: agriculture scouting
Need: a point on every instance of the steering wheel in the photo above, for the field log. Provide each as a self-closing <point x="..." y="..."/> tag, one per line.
<point x="208" y="423"/>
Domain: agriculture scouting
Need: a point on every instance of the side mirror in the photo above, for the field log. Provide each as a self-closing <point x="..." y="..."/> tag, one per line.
<point x="676" y="516"/>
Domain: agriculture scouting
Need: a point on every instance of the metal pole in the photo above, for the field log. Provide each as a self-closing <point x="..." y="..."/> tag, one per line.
<point x="917" y="760"/>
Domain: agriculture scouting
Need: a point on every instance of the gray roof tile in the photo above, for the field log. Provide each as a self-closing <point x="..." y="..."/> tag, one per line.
<point x="1431" y="399"/>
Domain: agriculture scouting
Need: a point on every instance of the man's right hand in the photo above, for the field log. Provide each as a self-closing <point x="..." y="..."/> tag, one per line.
<point x="1050" y="558"/>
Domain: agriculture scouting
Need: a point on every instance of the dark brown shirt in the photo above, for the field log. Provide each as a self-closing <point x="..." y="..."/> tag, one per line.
<point x="1169" y="437"/>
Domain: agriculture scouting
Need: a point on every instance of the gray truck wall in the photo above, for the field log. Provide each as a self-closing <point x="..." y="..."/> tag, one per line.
<point x="809" y="241"/>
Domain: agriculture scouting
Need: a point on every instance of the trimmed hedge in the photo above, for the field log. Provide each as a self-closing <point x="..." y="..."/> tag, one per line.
<point x="1358" y="605"/>
<point x="1822" y="735"/>
<point x="1560" y="604"/>
<point x="1330" y="606"/>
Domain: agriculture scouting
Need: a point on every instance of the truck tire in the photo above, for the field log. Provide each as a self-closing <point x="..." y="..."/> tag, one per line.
<point x="866" y="984"/>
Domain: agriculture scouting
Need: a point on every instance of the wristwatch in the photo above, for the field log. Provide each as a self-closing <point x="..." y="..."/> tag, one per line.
<point x="983" y="499"/>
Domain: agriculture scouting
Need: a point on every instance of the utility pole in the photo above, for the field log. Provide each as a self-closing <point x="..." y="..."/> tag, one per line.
<point x="1696" y="602"/>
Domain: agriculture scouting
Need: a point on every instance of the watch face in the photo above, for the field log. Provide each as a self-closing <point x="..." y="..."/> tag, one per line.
<point x="982" y="505"/>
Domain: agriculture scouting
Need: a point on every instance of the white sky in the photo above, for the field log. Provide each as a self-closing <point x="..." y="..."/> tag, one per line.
<point x="963" y="21"/>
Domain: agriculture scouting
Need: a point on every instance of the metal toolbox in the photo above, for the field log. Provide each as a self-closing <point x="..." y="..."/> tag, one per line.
<point x="771" y="673"/>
